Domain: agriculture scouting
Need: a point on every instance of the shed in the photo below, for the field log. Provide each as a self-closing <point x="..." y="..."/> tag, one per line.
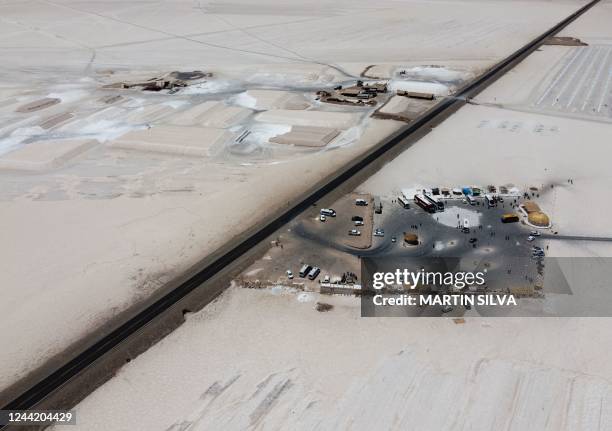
<point x="411" y="238"/>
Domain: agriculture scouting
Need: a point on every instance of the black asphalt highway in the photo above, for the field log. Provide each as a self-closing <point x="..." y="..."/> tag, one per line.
<point x="82" y="361"/>
<point x="577" y="237"/>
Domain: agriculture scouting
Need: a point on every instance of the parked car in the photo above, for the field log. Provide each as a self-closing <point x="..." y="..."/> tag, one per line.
<point x="534" y="233"/>
<point x="289" y="274"/>
<point x="531" y="238"/>
<point x="354" y="232"/>
<point x="328" y="212"/>
<point x="361" y="202"/>
<point x="322" y="217"/>
<point x="358" y="223"/>
<point x="326" y="279"/>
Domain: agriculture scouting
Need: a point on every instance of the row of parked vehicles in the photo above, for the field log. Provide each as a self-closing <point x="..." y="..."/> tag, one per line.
<point x="537" y="253"/>
<point x="312" y="272"/>
<point x="357" y="220"/>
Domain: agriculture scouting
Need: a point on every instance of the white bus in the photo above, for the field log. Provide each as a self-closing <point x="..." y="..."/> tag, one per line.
<point x="437" y="202"/>
<point x="305" y="270"/>
<point x="314" y="272"/>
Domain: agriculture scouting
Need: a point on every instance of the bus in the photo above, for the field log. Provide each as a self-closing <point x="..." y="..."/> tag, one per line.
<point x="422" y="201"/>
<point x="305" y="270"/>
<point x="403" y="202"/>
<point x="490" y="200"/>
<point x="437" y="202"/>
<point x="510" y="218"/>
<point x="314" y="272"/>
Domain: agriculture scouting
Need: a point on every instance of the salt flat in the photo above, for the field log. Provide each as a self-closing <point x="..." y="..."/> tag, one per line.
<point x="336" y="370"/>
<point x="71" y="32"/>
<point x="187" y="141"/>
<point x="339" y="120"/>
<point x="44" y="155"/>
<point x="111" y="227"/>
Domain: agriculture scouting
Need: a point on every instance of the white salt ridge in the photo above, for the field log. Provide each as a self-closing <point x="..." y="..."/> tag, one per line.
<point x="106" y="130"/>
<point x="420" y="87"/>
<point x="291" y="79"/>
<point x="434" y="73"/>
<point x="18" y="136"/>
<point x="175" y="103"/>
<point x="211" y="87"/>
<point x="244" y="99"/>
<point x="270" y="99"/>
<point x="69" y="96"/>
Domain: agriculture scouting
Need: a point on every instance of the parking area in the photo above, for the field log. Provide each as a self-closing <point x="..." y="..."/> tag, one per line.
<point x="463" y="237"/>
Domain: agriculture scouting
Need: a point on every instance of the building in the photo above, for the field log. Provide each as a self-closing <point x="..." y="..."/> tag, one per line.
<point x="379" y="87"/>
<point x="351" y="91"/>
<point x="509" y="218"/>
<point x="411" y="238"/>
<point x="416" y="95"/>
<point x="535" y="216"/>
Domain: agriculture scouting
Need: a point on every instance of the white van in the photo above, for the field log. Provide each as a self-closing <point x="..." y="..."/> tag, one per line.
<point x="314" y="272"/>
<point x="328" y="212"/>
<point x="305" y="270"/>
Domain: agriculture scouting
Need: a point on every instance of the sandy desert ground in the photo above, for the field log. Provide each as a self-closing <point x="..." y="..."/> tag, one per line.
<point x="109" y="225"/>
<point x="265" y="359"/>
<point x="256" y="359"/>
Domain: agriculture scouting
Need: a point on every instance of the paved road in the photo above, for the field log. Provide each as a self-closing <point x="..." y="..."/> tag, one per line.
<point x="577" y="237"/>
